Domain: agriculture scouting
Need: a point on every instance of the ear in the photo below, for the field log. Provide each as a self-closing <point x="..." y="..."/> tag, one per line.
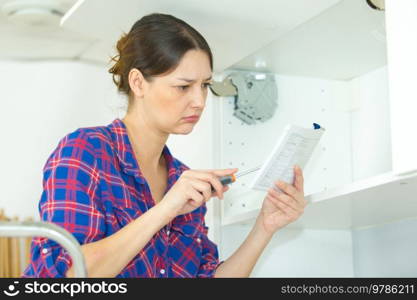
<point x="137" y="82"/>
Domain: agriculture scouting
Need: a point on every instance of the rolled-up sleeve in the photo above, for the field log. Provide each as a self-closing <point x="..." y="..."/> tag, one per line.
<point x="69" y="200"/>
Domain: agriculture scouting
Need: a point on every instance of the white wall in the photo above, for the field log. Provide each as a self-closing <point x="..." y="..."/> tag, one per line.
<point x="386" y="251"/>
<point x="297" y="253"/>
<point x="43" y="101"/>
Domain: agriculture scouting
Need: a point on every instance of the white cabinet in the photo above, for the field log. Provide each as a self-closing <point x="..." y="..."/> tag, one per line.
<point x="332" y="70"/>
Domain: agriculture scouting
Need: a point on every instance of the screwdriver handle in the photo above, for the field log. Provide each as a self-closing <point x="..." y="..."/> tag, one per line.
<point x="225" y="180"/>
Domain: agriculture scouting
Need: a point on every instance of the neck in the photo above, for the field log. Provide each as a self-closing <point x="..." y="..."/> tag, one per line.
<point x="147" y="141"/>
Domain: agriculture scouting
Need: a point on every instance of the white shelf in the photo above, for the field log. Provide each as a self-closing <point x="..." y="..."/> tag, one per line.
<point x="345" y="41"/>
<point x="381" y="199"/>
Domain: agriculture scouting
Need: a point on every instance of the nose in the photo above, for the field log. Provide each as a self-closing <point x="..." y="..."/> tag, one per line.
<point x="199" y="99"/>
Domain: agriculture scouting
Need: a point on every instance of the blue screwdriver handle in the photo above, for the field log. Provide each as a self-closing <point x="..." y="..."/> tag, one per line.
<point x="225" y="180"/>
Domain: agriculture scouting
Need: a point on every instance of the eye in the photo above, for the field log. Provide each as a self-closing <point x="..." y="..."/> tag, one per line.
<point x="206" y="85"/>
<point x="183" y="87"/>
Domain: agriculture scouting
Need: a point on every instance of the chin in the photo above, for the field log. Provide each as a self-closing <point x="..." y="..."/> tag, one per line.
<point x="184" y="129"/>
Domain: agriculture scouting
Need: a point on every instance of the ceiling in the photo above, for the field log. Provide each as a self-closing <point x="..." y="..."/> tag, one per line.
<point x="233" y="28"/>
<point x="23" y="42"/>
<point x="326" y="38"/>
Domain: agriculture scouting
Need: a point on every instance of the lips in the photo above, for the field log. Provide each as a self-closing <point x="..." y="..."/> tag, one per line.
<point x="192" y="118"/>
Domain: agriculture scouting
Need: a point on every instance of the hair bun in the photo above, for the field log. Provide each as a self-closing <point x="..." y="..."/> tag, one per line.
<point x="121" y="43"/>
<point x="117" y="68"/>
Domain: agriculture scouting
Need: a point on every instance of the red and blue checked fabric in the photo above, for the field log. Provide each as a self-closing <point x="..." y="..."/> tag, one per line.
<point x="92" y="187"/>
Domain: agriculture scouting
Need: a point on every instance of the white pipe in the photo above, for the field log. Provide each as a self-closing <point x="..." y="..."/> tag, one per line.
<point x="50" y="231"/>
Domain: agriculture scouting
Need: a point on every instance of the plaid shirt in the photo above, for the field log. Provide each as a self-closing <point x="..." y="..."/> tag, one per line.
<point x="92" y="187"/>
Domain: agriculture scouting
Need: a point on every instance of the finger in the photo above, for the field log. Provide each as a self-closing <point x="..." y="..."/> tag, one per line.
<point x="285" y="198"/>
<point x="196" y="198"/>
<point x="202" y="187"/>
<point x="274" y="202"/>
<point x="299" y="179"/>
<point x="288" y="210"/>
<point x="287" y="188"/>
<point x="210" y="178"/>
<point x="280" y="207"/>
<point x="298" y="199"/>
<point x="221" y="172"/>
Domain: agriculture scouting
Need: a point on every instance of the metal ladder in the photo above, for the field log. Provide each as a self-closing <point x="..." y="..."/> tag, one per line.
<point x="50" y="231"/>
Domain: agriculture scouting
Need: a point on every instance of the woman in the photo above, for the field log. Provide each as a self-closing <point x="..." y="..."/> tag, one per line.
<point x="135" y="209"/>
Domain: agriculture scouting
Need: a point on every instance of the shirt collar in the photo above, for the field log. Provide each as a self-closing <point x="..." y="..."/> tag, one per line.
<point x="126" y="156"/>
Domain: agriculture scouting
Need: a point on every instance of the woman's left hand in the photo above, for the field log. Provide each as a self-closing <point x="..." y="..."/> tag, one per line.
<point x="281" y="208"/>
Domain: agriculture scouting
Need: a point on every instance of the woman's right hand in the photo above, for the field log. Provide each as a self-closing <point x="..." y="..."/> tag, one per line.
<point x="193" y="188"/>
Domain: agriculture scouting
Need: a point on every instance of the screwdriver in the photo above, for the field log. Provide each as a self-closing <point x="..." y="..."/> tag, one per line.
<point x="232" y="178"/>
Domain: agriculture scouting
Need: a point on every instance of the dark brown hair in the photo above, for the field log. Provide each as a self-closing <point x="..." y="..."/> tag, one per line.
<point x="154" y="45"/>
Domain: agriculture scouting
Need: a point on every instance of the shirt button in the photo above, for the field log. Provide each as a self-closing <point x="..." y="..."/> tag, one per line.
<point x="168" y="232"/>
<point x="198" y="240"/>
<point x="44" y="250"/>
<point x="162" y="271"/>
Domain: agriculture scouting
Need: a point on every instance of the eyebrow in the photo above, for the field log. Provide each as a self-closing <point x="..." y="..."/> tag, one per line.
<point x="192" y="80"/>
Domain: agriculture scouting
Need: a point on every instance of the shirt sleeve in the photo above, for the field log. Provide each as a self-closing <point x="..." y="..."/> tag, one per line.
<point x="69" y="200"/>
<point x="210" y="255"/>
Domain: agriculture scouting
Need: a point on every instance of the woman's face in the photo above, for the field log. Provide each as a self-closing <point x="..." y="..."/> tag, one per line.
<point x="168" y="99"/>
